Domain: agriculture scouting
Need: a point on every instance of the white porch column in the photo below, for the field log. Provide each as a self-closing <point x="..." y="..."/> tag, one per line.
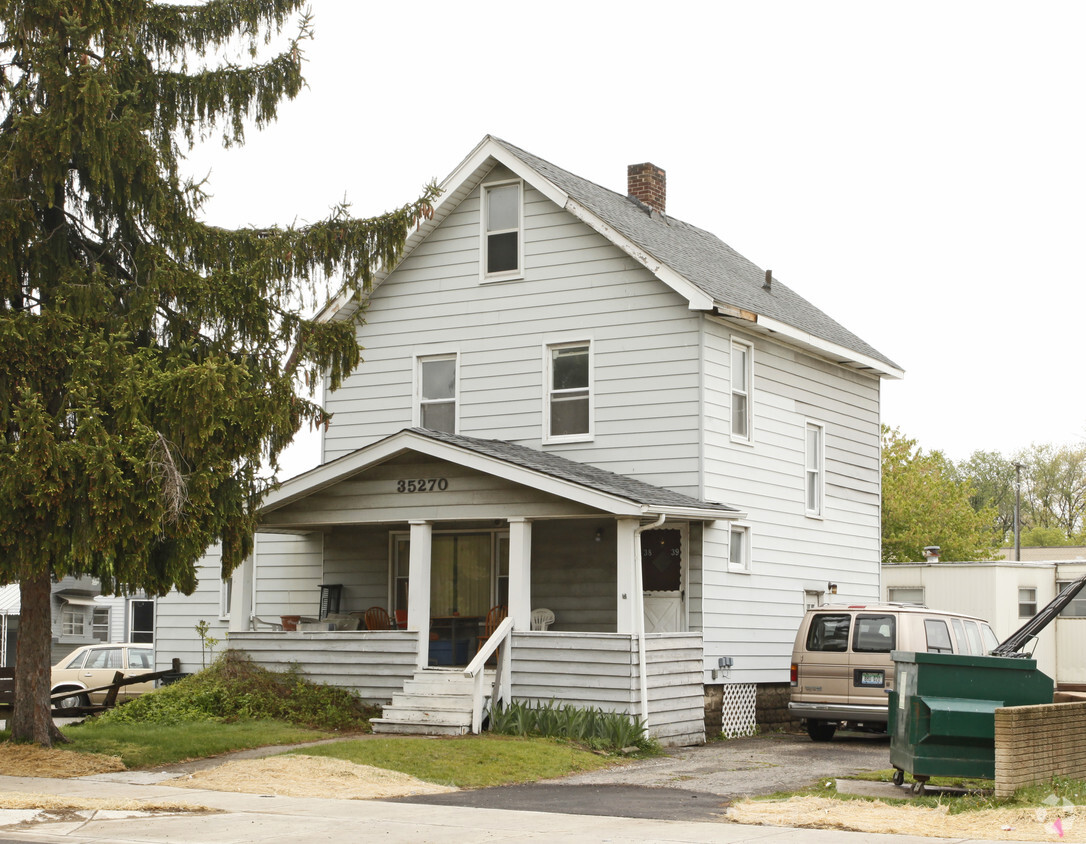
<point x="241" y="594"/>
<point x="627" y="557"/>
<point x="520" y="573"/>
<point x="418" y="591"/>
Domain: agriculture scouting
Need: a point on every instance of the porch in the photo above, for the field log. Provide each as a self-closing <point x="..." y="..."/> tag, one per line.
<point x="579" y="669"/>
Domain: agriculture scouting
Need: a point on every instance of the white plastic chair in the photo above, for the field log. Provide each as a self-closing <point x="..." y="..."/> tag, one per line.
<point x="542" y="619"/>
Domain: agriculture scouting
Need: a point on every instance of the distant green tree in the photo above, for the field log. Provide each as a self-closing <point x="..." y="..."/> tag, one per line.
<point x="991" y="476"/>
<point x="1045" y="537"/>
<point x="1054" y="487"/>
<point x="923" y="504"/>
<point x="149" y="360"/>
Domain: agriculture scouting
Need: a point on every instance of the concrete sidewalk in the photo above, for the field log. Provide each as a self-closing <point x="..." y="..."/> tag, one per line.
<point x="259" y="818"/>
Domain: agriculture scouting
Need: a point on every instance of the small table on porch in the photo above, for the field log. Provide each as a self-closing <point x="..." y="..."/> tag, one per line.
<point x="454" y="646"/>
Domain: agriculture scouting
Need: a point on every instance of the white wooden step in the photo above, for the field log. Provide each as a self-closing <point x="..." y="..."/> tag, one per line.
<point x="385" y="725"/>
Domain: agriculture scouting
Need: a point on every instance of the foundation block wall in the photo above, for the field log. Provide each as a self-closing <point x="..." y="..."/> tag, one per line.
<point x="1035" y="743"/>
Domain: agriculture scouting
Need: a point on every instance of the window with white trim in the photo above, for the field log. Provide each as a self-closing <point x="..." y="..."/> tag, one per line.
<point x="742" y="357"/>
<point x="502" y="239"/>
<point x="815" y="477"/>
<point x="72" y="621"/>
<point x="226" y="593"/>
<point x="437" y="393"/>
<point x="100" y="624"/>
<point x="1027" y="602"/>
<point x="569" y="392"/>
<point x="739" y="548"/>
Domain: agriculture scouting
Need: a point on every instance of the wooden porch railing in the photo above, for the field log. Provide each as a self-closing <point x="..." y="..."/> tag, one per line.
<point x="499" y="642"/>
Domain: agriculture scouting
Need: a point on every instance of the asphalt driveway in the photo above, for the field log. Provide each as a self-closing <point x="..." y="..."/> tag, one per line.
<point x="688" y="783"/>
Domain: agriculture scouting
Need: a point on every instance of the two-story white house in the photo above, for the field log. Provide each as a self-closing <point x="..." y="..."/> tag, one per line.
<point x="572" y="401"/>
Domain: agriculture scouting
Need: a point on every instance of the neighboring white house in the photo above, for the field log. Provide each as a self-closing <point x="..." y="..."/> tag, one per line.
<point x="1007" y="594"/>
<point x="81" y="615"/>
<point x="574" y="401"/>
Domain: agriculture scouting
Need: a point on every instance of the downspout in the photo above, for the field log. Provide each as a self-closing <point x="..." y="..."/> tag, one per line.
<point x="639" y="622"/>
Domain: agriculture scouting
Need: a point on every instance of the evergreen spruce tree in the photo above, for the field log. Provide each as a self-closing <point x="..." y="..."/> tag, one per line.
<point x="148" y="361"/>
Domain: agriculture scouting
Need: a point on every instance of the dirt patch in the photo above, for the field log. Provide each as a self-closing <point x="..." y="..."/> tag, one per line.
<point x="30" y="760"/>
<point x="1041" y="824"/>
<point x="308" y="776"/>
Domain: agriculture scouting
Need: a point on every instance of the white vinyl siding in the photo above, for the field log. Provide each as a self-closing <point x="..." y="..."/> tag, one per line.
<point x="645" y="370"/>
<point x="815" y="488"/>
<point x="754" y="618"/>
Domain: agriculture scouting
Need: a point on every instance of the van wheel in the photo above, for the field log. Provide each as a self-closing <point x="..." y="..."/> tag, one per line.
<point x="74" y="700"/>
<point x="821" y="730"/>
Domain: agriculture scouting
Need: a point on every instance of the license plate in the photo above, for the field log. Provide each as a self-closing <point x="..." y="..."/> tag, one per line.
<point x="872" y="678"/>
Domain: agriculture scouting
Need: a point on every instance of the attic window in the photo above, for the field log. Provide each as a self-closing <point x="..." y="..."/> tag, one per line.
<point x="502" y="230"/>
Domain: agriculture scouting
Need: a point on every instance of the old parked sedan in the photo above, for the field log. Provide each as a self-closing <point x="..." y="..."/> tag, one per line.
<point x="92" y="666"/>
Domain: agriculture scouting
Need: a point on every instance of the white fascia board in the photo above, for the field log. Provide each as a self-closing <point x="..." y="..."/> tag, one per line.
<point x="698" y="299"/>
<point x="322" y="477"/>
<point x="810" y="342"/>
<point x="698" y="514"/>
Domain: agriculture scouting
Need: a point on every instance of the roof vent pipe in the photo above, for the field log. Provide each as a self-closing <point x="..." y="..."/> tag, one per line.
<point x="931" y="553"/>
<point x="768" y="280"/>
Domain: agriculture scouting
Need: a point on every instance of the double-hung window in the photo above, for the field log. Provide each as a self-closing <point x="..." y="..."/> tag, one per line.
<point x="436" y="381"/>
<point x="1027" y="602"/>
<point x="814" y="473"/>
<point x="742" y="355"/>
<point x="502" y="240"/>
<point x="569" y="392"/>
<point x="100" y="624"/>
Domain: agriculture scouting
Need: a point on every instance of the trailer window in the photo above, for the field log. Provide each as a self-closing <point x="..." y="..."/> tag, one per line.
<point x="829" y="632"/>
<point x="938" y="636"/>
<point x="874" y="634"/>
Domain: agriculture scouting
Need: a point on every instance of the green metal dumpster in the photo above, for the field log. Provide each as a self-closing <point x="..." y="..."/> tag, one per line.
<point x="942" y="711"/>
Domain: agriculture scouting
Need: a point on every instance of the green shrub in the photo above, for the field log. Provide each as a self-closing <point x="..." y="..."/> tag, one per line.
<point x="232" y="688"/>
<point x="609" y="731"/>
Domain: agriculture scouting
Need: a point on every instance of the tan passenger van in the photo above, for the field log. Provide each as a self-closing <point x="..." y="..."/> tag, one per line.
<point x="841" y="666"/>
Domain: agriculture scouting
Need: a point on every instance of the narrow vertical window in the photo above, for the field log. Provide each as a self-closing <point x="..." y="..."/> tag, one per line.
<point x="741" y="379"/>
<point x="569" y="397"/>
<point x="226" y="593"/>
<point x="814" y="473"/>
<point x="739" y="548"/>
<point x="501" y="224"/>
<point x="1027" y="602"/>
<point x="100" y="624"/>
<point x="437" y="393"/>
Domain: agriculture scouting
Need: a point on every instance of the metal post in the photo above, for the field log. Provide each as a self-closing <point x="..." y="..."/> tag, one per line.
<point x="1018" y="467"/>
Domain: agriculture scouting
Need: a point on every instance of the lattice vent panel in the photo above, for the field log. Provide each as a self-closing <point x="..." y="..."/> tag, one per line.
<point x="738" y="713"/>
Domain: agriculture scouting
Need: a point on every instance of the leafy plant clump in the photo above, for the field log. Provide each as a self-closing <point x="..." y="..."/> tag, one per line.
<point x="608" y="731"/>
<point x="234" y="689"/>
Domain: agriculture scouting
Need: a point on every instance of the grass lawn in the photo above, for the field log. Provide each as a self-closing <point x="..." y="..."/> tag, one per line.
<point x="468" y="761"/>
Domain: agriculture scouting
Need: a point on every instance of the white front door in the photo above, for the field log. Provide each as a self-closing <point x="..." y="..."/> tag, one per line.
<point x="662" y="573"/>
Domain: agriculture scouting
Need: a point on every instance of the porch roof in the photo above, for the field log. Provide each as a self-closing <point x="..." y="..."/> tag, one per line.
<point x="578" y="482"/>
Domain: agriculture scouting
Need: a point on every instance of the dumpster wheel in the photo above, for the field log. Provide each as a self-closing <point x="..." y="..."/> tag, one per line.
<point x="899" y="776"/>
<point x="918" y="786"/>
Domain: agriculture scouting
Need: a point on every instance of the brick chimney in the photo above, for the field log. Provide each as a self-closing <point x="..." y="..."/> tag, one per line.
<point x="647" y="183"/>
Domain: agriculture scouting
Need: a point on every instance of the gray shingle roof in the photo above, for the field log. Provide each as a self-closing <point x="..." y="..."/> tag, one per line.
<point x="700" y="257"/>
<point x="582" y="474"/>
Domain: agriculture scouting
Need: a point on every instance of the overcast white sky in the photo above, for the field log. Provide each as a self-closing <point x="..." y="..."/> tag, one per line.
<point x="916" y="170"/>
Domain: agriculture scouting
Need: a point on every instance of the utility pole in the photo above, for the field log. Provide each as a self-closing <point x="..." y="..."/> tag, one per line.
<point x="1018" y="467"/>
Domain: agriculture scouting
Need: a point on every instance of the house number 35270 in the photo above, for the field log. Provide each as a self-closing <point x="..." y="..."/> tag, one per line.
<point x="422" y="485"/>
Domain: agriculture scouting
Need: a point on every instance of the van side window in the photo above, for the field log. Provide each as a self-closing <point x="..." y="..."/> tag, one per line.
<point x="828" y="632"/>
<point x="874" y="634"/>
<point x="988" y="636"/>
<point x="973" y="632"/>
<point x="964" y="646"/>
<point x="938" y="636"/>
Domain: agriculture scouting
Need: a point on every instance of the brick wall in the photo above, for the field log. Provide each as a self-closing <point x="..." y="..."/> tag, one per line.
<point x="1035" y="743"/>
